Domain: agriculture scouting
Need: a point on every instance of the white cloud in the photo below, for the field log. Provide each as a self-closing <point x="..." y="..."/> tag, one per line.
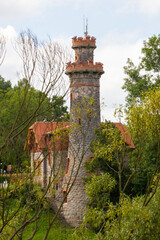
<point x="113" y="52"/>
<point x="23" y="8"/>
<point x="11" y="69"/>
<point x="8" y="32"/>
<point x="20" y="8"/>
<point x="12" y="64"/>
<point x="149" y="7"/>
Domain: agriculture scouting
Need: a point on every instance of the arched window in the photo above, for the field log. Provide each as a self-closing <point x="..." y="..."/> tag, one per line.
<point x="91" y="156"/>
<point x="49" y="159"/>
<point x="56" y="187"/>
<point x="76" y="58"/>
<point x="64" y="195"/>
<point x="67" y="165"/>
<point x="90" y="113"/>
<point x="71" y="98"/>
<point x="79" y="120"/>
<point x="38" y="167"/>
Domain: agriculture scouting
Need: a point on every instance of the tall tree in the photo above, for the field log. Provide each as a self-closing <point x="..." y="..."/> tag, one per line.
<point x="50" y="110"/>
<point x="133" y="216"/>
<point x="144" y="123"/>
<point x="140" y="79"/>
<point x="43" y="65"/>
<point x="146" y="75"/>
<point x="4" y="85"/>
<point x="2" y="48"/>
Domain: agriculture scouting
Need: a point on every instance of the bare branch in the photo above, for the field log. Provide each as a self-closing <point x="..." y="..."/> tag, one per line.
<point x="2" y="48"/>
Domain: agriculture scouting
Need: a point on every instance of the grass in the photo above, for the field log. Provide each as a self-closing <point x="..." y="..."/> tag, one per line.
<point x="59" y="231"/>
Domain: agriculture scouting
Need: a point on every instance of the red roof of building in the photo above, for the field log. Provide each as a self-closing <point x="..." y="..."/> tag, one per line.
<point x="40" y="129"/>
<point x="125" y="134"/>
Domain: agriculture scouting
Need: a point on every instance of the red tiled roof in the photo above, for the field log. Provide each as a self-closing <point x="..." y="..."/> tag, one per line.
<point x="41" y="128"/>
<point x="125" y="134"/>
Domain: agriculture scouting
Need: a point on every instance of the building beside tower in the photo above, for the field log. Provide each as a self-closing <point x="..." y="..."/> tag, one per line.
<point x="63" y="156"/>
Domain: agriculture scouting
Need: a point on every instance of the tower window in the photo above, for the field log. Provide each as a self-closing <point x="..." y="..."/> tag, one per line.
<point x="90" y="113"/>
<point x="64" y="195"/>
<point x="49" y="159"/>
<point x="79" y="121"/>
<point x="56" y="186"/>
<point x="76" y="58"/>
<point x="38" y="167"/>
<point x="67" y="165"/>
<point x="71" y="97"/>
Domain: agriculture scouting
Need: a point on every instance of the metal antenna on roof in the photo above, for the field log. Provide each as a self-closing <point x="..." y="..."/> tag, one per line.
<point x="85" y="25"/>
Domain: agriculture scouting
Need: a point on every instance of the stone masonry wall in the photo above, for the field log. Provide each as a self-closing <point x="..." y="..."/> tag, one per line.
<point x="84" y="86"/>
<point x="85" y="117"/>
<point x="39" y="173"/>
<point x="84" y="54"/>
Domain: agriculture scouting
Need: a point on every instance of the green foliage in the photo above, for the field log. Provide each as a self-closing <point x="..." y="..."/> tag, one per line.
<point x="146" y="75"/>
<point x="106" y="146"/>
<point x="98" y="189"/>
<point x="82" y="233"/>
<point x="108" y="141"/>
<point x="20" y="107"/>
<point x="59" y="231"/>
<point x="135" y="220"/>
<point x="143" y="116"/>
<point x="151" y="51"/>
<point x="59" y="112"/>
<point x="28" y="193"/>
<point x="3" y="178"/>
<point x="110" y="154"/>
<point x="144" y="124"/>
<point x="129" y="220"/>
<point x="95" y="219"/>
<point x="4" y="85"/>
<point x="18" y="200"/>
<point x="131" y="217"/>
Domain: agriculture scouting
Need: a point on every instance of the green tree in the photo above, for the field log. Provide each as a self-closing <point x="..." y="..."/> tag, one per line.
<point x="50" y="110"/>
<point x="146" y="75"/>
<point x="43" y="65"/>
<point x="110" y="156"/>
<point x="137" y="221"/>
<point x="4" y="85"/>
<point x="144" y="124"/>
<point x="132" y="217"/>
<point x="98" y="191"/>
<point x="141" y="79"/>
<point x="110" y="163"/>
<point x="2" y="48"/>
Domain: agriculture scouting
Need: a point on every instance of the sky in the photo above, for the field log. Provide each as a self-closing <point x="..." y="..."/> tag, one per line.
<point x="120" y="27"/>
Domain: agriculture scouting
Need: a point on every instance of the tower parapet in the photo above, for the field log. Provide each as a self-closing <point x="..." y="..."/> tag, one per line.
<point x="84" y="42"/>
<point x="84" y="57"/>
<point x="82" y="67"/>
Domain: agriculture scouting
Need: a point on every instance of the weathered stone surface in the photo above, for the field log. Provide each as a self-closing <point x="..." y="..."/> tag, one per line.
<point x="85" y="112"/>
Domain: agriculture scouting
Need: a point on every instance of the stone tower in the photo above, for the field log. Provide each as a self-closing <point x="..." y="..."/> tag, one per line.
<point x="85" y="117"/>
